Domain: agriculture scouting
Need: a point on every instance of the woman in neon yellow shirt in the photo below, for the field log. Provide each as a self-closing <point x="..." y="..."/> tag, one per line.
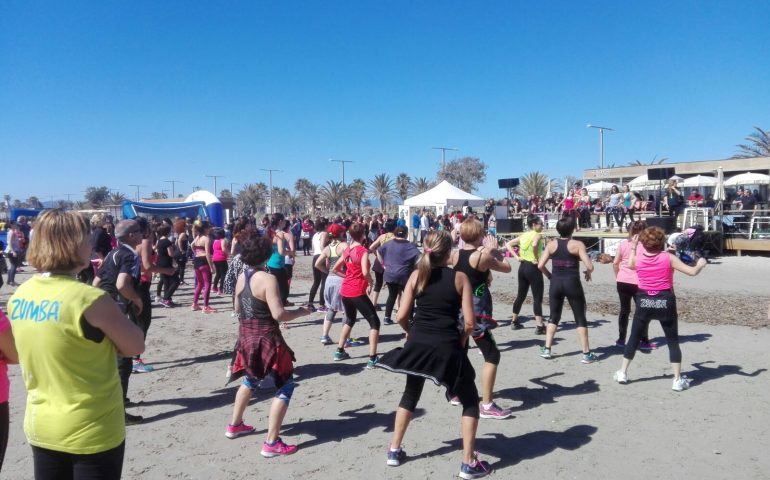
<point x="68" y="335"/>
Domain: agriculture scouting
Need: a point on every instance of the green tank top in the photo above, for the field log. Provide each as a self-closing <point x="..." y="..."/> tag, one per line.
<point x="74" y="399"/>
<point x="527" y="248"/>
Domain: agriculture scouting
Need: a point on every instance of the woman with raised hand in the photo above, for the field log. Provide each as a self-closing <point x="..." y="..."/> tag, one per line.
<point x="68" y="336"/>
<point x="655" y="299"/>
<point x="436" y="348"/>
<point x="261" y="349"/>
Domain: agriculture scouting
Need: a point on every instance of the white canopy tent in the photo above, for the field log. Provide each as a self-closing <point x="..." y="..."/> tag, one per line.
<point x="442" y="196"/>
<point x="600" y="187"/>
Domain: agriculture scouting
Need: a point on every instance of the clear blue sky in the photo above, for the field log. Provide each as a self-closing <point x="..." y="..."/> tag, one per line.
<point x="118" y="93"/>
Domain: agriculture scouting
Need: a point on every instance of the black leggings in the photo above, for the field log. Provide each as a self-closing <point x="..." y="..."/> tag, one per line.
<point x="662" y="307"/>
<point x="626" y="292"/>
<point x="488" y="347"/>
<point x="571" y="289"/>
<point x="181" y="264"/>
<point x="618" y="213"/>
<point x="283" y="281"/>
<point x="529" y="276"/>
<point x="364" y="305"/>
<point x="4" y="422"/>
<point x="168" y="285"/>
<point x="319" y="280"/>
<point x="466" y="391"/>
<point x="220" y="267"/>
<point x="53" y="465"/>
<point x="394" y="288"/>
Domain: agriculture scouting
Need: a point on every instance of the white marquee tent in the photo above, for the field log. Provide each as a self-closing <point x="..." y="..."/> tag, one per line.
<point x="443" y="195"/>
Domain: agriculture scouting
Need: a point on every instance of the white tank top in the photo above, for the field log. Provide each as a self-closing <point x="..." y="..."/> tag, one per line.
<point x="317" y="248"/>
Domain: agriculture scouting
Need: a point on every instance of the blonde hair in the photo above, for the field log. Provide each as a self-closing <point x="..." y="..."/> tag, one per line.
<point x="55" y="246"/>
<point x="438" y="246"/>
<point x="471" y="230"/>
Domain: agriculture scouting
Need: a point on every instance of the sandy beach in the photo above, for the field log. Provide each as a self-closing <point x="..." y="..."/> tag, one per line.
<point x="571" y="421"/>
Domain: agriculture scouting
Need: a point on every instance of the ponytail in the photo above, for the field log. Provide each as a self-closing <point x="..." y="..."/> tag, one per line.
<point x="438" y="245"/>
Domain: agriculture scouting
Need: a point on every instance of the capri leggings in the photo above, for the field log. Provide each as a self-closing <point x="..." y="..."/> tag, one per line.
<point x="571" y="289"/>
<point x="626" y="292"/>
<point x="529" y="276"/>
<point x="283" y="393"/>
<point x="364" y="305"/>
<point x="658" y="306"/>
<point x="55" y="465"/>
<point x="394" y="290"/>
<point x="466" y="390"/>
<point x="319" y="280"/>
<point x="220" y="266"/>
<point x="378" y="280"/>
<point x="283" y="281"/>
<point x="202" y="280"/>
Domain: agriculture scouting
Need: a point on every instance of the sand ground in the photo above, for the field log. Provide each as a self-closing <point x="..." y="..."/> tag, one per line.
<point x="571" y="420"/>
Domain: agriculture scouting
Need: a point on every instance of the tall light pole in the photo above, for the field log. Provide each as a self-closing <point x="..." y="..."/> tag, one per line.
<point x="270" y="171"/>
<point x="173" y="186"/>
<point x="215" y="182"/>
<point x="601" y="142"/>
<point x="443" y="153"/>
<point x="137" y="189"/>
<point x="343" y="162"/>
<point x="231" y="188"/>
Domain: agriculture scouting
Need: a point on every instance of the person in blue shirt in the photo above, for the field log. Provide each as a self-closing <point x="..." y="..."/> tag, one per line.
<point x="400" y="222"/>
<point x="414" y="232"/>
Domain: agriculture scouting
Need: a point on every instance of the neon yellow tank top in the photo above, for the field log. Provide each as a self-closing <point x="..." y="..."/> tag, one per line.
<point x="74" y="398"/>
<point x="527" y="248"/>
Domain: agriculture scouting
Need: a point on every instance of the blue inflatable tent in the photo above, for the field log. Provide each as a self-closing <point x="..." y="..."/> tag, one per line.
<point x="171" y="209"/>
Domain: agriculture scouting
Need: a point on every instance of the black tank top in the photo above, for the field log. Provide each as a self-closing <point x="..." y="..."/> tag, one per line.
<point x="438" y="307"/>
<point x="253" y="308"/>
<point x="564" y="264"/>
<point x="476" y="277"/>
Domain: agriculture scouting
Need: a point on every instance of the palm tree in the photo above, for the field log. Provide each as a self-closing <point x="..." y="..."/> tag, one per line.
<point x="381" y="188"/>
<point x="758" y="146"/>
<point x="251" y="198"/>
<point x="655" y="161"/>
<point x="334" y="195"/>
<point x="403" y="186"/>
<point x="117" y="198"/>
<point x="293" y="203"/>
<point x="308" y="193"/>
<point x="420" y="185"/>
<point x="34" y="202"/>
<point x="533" y="183"/>
<point x="357" y="192"/>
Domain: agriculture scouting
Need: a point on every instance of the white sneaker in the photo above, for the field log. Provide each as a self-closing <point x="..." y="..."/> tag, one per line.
<point x="620" y="377"/>
<point x="681" y="383"/>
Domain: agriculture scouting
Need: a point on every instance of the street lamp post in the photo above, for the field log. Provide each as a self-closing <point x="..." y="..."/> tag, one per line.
<point x="270" y="171"/>
<point x="231" y="188"/>
<point x="137" y="189"/>
<point x="343" y="162"/>
<point x="173" y="186"/>
<point x="601" y="142"/>
<point x="215" y="182"/>
<point x="443" y="153"/>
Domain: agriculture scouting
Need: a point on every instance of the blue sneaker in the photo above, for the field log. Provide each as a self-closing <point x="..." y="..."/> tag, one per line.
<point x="326" y="340"/>
<point x="545" y="352"/>
<point x="343" y="355"/>
<point x="388" y="321"/>
<point x="477" y="469"/>
<point x="372" y="362"/>
<point x="354" y="342"/>
<point x="589" y="358"/>
<point x="395" y="458"/>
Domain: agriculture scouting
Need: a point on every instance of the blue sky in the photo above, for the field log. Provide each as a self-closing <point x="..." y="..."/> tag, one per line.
<point x="119" y="93"/>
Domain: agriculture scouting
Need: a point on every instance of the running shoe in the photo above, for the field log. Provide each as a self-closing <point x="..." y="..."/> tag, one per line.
<point x="354" y="342"/>
<point x="540" y="330"/>
<point x="388" y="321"/>
<point x="620" y="343"/>
<point x="195" y="307"/>
<point x="235" y="431"/>
<point x="326" y="340"/>
<point x="372" y="362"/>
<point x="494" y="411"/>
<point x="516" y="325"/>
<point x="322" y="308"/>
<point x="476" y="469"/>
<point x="343" y="355"/>
<point x="620" y="377"/>
<point x="455" y="401"/>
<point x="208" y="309"/>
<point x="647" y="345"/>
<point x="545" y="352"/>
<point x="158" y="300"/>
<point x="491" y="323"/>
<point x="277" y="448"/>
<point x="395" y="458"/>
<point x="140" y="367"/>
<point x="589" y="358"/>
<point x="167" y="303"/>
<point x="133" y="419"/>
<point x="680" y="384"/>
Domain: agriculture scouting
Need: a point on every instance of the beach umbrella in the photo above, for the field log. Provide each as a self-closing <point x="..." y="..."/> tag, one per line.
<point x="719" y="191"/>
<point x="599" y="187"/>
<point x="748" y="178"/>
<point x="677" y="178"/>
<point x="698" y="181"/>
<point x="642" y="182"/>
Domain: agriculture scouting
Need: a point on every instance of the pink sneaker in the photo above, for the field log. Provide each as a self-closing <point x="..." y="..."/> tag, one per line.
<point x="195" y="307"/>
<point x="494" y="412"/>
<point x="235" y="431"/>
<point x="455" y="401"/>
<point x="648" y="345"/>
<point x="208" y="309"/>
<point x="278" y="448"/>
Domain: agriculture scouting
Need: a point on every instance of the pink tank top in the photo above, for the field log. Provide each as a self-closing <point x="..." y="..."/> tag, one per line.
<point x="354" y="284"/>
<point x="655" y="272"/>
<point x="217" y="254"/>
<point x="569" y="203"/>
<point x="625" y="274"/>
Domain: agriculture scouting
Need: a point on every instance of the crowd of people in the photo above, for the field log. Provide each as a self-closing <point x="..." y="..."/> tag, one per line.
<point x="90" y="306"/>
